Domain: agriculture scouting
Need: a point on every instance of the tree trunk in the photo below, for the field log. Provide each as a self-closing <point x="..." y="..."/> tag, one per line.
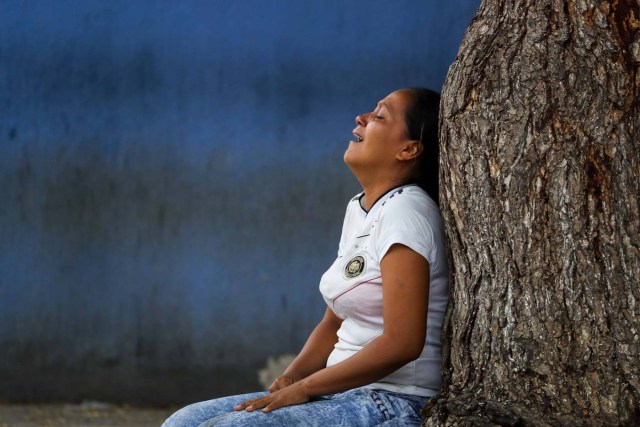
<point x="540" y="172"/>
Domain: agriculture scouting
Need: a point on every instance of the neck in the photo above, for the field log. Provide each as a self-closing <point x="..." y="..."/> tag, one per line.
<point x="373" y="192"/>
<point x="375" y="184"/>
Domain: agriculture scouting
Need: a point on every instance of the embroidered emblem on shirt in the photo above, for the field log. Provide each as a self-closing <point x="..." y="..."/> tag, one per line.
<point x="355" y="266"/>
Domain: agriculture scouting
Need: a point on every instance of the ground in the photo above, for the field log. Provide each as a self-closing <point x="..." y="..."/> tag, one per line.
<point x="90" y="414"/>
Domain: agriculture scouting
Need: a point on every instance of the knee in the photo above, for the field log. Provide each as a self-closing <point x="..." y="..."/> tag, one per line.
<point x="185" y="417"/>
<point x="196" y="414"/>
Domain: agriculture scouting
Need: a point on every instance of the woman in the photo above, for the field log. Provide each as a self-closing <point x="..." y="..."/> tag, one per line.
<point x="374" y="358"/>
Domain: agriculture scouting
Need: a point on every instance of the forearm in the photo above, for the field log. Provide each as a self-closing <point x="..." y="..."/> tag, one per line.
<point x="378" y="359"/>
<point x="405" y="302"/>
<point x="313" y="356"/>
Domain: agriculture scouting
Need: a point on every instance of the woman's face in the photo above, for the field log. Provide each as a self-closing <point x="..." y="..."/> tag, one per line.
<point x="380" y="135"/>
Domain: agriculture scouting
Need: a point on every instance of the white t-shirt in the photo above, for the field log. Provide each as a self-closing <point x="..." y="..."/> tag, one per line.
<point x="352" y="286"/>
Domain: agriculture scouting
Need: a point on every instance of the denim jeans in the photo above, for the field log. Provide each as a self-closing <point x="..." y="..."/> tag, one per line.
<point x="358" y="407"/>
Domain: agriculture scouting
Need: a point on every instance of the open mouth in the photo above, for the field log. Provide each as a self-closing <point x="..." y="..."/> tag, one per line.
<point x="357" y="138"/>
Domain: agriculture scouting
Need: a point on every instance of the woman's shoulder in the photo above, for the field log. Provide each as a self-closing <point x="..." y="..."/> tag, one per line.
<point x="354" y="201"/>
<point x="411" y="198"/>
<point x="356" y="198"/>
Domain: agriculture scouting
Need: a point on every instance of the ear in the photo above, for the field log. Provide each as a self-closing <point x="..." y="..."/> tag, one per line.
<point x="410" y="150"/>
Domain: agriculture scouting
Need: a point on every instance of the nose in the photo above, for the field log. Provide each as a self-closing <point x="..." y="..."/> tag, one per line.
<point x="361" y="119"/>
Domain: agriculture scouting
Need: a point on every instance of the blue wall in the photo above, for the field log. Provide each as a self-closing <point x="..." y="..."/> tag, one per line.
<point x="172" y="184"/>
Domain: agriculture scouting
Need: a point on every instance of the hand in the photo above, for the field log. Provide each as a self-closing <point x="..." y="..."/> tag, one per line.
<point x="280" y="383"/>
<point x="293" y="394"/>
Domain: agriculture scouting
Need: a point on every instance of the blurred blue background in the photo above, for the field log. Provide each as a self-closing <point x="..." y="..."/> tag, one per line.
<point x="172" y="184"/>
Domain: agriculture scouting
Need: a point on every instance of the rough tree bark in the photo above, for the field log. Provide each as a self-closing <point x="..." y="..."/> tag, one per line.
<point x="540" y="174"/>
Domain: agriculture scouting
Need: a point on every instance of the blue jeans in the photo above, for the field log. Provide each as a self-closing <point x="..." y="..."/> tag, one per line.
<point x="358" y="407"/>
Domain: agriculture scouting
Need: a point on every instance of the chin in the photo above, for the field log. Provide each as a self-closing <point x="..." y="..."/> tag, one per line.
<point x="350" y="161"/>
<point x="348" y="157"/>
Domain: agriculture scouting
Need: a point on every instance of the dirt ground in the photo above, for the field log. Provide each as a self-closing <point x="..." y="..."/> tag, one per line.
<point x="91" y="414"/>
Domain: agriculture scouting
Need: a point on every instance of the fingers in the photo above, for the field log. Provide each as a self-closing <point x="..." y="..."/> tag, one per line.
<point x="268" y="405"/>
<point x="280" y="383"/>
<point x="253" y="404"/>
<point x="287" y="396"/>
<point x="274" y="387"/>
<point x="247" y="404"/>
<point x="271" y="406"/>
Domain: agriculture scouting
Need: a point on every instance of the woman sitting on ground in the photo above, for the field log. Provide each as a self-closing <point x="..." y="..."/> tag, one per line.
<point x="374" y="358"/>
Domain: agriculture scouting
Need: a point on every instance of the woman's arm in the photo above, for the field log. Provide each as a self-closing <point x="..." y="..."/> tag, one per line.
<point x="314" y="354"/>
<point x="405" y="278"/>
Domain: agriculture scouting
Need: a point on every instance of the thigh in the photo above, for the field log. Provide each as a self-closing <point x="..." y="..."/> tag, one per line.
<point x="197" y="413"/>
<point x="403" y="409"/>
<point x="355" y="408"/>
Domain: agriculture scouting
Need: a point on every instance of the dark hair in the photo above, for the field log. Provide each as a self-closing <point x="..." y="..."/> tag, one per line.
<point x="422" y="125"/>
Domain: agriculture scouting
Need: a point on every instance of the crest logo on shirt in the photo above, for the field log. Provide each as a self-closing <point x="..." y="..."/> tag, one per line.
<point x="354" y="267"/>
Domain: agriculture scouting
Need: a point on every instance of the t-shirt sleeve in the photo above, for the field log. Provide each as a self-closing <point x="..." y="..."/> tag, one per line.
<point x="405" y="224"/>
